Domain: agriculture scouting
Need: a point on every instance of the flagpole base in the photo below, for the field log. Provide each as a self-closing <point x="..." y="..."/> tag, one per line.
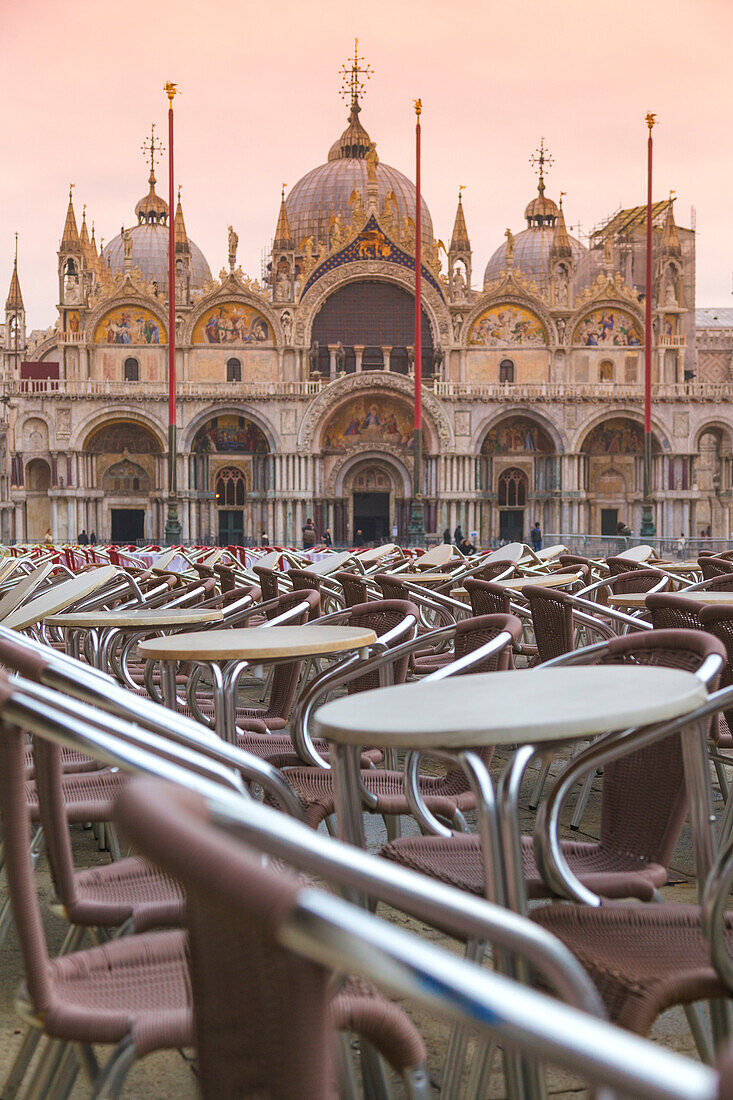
<point x="416" y="528"/>
<point x="172" y="536"/>
<point x="647" y="530"/>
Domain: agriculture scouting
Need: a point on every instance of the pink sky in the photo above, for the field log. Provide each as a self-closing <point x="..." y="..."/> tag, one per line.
<point x="82" y="81"/>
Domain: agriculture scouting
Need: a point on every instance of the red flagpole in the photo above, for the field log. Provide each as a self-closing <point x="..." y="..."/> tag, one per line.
<point x="417" y="517"/>
<point x="418" y="277"/>
<point x="172" y="525"/>
<point x="647" y="522"/>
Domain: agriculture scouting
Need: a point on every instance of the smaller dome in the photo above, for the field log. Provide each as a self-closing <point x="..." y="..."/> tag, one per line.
<point x="541" y="210"/>
<point x="355" y="141"/>
<point x="531" y="255"/>
<point x="152" y="209"/>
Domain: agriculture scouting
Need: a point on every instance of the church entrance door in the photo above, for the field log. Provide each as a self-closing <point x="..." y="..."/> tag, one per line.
<point x="128" y="524"/>
<point x="231" y="527"/>
<point x="371" y="517"/>
<point x="511" y="525"/>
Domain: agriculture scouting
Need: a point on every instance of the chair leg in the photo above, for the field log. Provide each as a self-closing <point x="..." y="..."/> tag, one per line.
<point x="539" y="787"/>
<point x="455" y="1055"/>
<point x="376" y="1085"/>
<point x="47" y="1065"/>
<point x="19" y="1067"/>
<point x="112" y="1077"/>
<point x="582" y="802"/>
<point x="62" y="1083"/>
<point x="696" y="1022"/>
<point x="348" y="1084"/>
<point x="417" y="1083"/>
<point x="722" y="779"/>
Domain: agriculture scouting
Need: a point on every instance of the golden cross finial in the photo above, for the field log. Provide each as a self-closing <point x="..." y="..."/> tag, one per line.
<point x="282" y="193"/>
<point x="84" y="212"/>
<point x="651" y="120"/>
<point x="354" y="75"/>
<point x="71" y="188"/>
<point x="461" y="187"/>
<point x="562" y="195"/>
<point x="170" y="90"/>
<point x="152" y="148"/>
<point x="418" y="107"/>
<point x="541" y="160"/>
<point x="179" y="193"/>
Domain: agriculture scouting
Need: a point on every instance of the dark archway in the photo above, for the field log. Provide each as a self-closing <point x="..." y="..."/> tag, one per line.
<point x="371" y="315"/>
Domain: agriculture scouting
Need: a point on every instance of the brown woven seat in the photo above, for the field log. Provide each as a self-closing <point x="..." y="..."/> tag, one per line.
<point x="552" y="618"/>
<point x="235" y="908"/>
<point x="487" y="598"/>
<point x="391" y="588"/>
<point x="88" y="796"/>
<point x="643" y="804"/>
<point x="713" y="567"/>
<point x="269" y="583"/>
<point x="107" y="896"/>
<point x="643" y="959"/>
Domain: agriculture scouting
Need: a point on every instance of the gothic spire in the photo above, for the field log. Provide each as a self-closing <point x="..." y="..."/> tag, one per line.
<point x="181" y="237"/>
<point x="459" y="242"/>
<point x="14" y="300"/>
<point x="561" y="247"/>
<point x="283" y="238"/>
<point x="670" y="238"/>
<point x="70" y="236"/>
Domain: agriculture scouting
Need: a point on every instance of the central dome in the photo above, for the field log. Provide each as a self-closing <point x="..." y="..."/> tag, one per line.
<point x="533" y="245"/>
<point x="326" y="190"/>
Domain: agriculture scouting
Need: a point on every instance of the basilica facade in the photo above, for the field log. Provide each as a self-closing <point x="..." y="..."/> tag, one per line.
<point x="295" y="392"/>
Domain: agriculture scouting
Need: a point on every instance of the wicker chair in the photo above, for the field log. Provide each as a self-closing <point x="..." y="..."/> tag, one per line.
<point x="487" y="598"/>
<point x="354" y="587"/>
<point x="715" y="567"/>
<point x="638" y="833"/>
<point x="447" y="796"/>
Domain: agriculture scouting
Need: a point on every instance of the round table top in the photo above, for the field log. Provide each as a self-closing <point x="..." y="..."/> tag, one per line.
<point x="631" y="600"/>
<point x="706" y="597"/>
<point x="680" y="566"/>
<point x="268" y="561"/>
<point x="59" y="597"/>
<point x="164" y="560"/>
<point x="506" y="708"/>
<point x="636" y="553"/>
<point x="436" y="556"/>
<point x="376" y="552"/>
<point x="421" y="578"/>
<point x="153" y="618"/>
<point x="551" y="552"/>
<point x="330" y="563"/>
<point x="549" y="580"/>
<point x="513" y="551"/>
<point x="257" y="644"/>
<point x="459" y="594"/>
<point x="23" y="588"/>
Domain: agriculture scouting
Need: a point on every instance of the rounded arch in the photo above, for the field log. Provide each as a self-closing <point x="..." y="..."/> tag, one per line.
<point x="659" y="433"/>
<point x="607" y="323"/>
<point x="35" y="433"/>
<point x="230" y="487"/>
<point x="233" y="294"/>
<point x="236" y="410"/>
<point x="37" y="475"/>
<point x="127" y="303"/>
<point x="508" y="412"/>
<point x="314" y="298"/>
<point x="714" y="427"/>
<point x="121" y="414"/>
<point x="517" y="300"/>
<point x="118" y="436"/>
<point x="338" y="392"/>
<point x="126" y="478"/>
<point x="346" y="468"/>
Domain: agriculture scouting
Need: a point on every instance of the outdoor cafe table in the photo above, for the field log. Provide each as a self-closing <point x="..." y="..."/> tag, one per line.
<point x="636" y="600"/>
<point x="60" y="596"/>
<point x="101" y="626"/>
<point x="549" y="580"/>
<point x="534" y="711"/>
<point x="253" y="647"/>
<point x="330" y="563"/>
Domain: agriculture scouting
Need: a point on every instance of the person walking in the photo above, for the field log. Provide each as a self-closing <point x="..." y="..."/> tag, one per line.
<point x="681" y="544"/>
<point x="309" y="534"/>
<point x="446" y="536"/>
<point x="264" y="539"/>
<point x="48" y="537"/>
<point x="83" y="539"/>
<point x="93" y="538"/>
<point x="535" y="536"/>
<point x="327" y="540"/>
<point x="458" y="535"/>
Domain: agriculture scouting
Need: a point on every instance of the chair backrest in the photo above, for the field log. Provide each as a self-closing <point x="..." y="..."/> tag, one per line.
<point x="569" y="560"/>
<point x="269" y="583"/>
<point x="718" y="621"/>
<point x="644" y="801"/>
<point x="669" y="612"/>
<point x="355" y="588"/>
<point x="261" y="1012"/>
<point x="552" y="618"/>
<point x="48" y="774"/>
<point x="622" y="565"/>
<point x="475" y="632"/>
<point x="304" y="580"/>
<point x="381" y="616"/>
<point x="715" y="567"/>
<point x="495" y="569"/>
<point x="487" y="598"/>
<point x="392" y="589"/>
<point x="637" y="580"/>
<point x="285" y="677"/>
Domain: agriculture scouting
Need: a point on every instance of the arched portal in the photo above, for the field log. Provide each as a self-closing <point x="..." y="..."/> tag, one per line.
<point x="231" y="458"/>
<point x="373" y="495"/>
<point x="612" y="473"/>
<point x="38" y="504"/>
<point x="230" y="493"/>
<point x="375" y="324"/>
<point x="125" y="460"/>
<point x="518" y="466"/>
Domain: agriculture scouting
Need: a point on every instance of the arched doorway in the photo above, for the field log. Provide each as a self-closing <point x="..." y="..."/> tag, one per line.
<point x="230" y="495"/>
<point x="513" y="491"/>
<point x="613" y="473"/>
<point x="518" y="466"/>
<point x="127" y="464"/>
<point x="372" y="495"/>
<point x="373" y="320"/>
<point x="38" y="504"/>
